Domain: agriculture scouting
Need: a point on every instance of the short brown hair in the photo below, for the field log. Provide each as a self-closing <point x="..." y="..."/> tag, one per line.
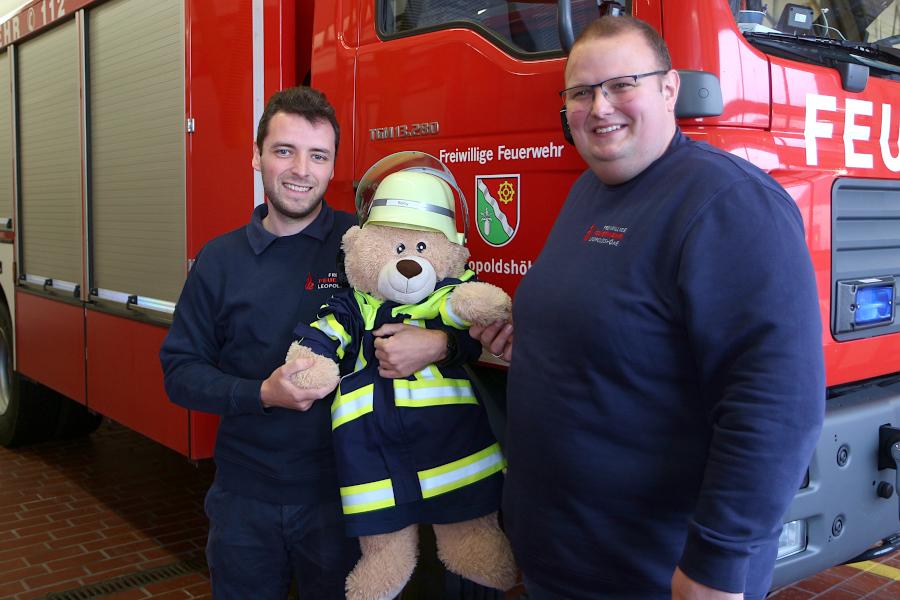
<point x="304" y="101"/>
<point x="608" y="26"/>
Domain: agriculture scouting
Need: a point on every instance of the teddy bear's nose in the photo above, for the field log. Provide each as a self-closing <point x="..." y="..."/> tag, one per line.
<point x="409" y="268"/>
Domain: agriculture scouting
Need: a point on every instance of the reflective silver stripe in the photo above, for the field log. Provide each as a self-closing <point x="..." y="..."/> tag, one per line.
<point x="346" y="411"/>
<point x="360" y="362"/>
<point x="366" y="497"/>
<point x="445" y="479"/>
<point x="431" y="393"/>
<point x="342" y="337"/>
<point x="427" y="373"/>
<point x="326" y="328"/>
<point x="413" y="205"/>
<point x="461" y="323"/>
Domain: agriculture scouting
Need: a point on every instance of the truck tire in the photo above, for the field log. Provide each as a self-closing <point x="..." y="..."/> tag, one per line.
<point x="30" y="412"/>
<point x="25" y="417"/>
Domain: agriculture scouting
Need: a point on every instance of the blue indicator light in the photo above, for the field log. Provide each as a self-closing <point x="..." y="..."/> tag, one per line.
<point x="874" y="304"/>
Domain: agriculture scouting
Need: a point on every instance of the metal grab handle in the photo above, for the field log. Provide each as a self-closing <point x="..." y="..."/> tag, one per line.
<point x="895" y="454"/>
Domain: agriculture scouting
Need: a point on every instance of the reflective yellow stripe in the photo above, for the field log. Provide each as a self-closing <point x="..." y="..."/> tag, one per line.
<point x="360" y="362"/>
<point x="333" y="329"/>
<point x="428" y="308"/>
<point x="368" y="308"/>
<point x="450" y="318"/>
<point x="433" y="392"/>
<point x="462" y="472"/>
<point x="351" y="405"/>
<point x="430" y="372"/>
<point x="366" y="497"/>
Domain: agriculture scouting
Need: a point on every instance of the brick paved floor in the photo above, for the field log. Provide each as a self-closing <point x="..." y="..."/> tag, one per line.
<point x="849" y="582"/>
<point x="115" y="505"/>
<point x="80" y="512"/>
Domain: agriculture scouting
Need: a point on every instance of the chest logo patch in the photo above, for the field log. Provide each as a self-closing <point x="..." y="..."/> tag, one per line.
<point x="607" y="235"/>
<point x="329" y="281"/>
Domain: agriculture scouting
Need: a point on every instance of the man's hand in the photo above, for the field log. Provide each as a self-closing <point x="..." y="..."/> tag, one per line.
<point x="403" y="349"/>
<point x="685" y="588"/>
<point x="278" y="390"/>
<point x="496" y="338"/>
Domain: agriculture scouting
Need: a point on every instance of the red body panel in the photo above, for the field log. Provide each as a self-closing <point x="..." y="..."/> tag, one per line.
<point x="333" y="71"/>
<point x="702" y="36"/>
<point x="220" y="189"/>
<point x="279" y="31"/>
<point x="125" y="385"/>
<point x="820" y="161"/>
<point x="431" y="69"/>
<point x="50" y="343"/>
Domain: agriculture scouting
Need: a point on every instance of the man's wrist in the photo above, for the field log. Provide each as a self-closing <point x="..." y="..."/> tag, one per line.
<point x="450" y="349"/>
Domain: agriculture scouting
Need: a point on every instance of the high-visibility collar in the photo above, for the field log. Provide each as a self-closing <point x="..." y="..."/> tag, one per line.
<point x="429" y="308"/>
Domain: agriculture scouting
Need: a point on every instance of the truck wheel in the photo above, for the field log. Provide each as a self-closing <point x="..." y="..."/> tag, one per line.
<point x="25" y="416"/>
<point x="30" y="412"/>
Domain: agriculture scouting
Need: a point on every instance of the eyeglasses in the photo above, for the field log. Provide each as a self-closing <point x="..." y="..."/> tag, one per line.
<point x="617" y="90"/>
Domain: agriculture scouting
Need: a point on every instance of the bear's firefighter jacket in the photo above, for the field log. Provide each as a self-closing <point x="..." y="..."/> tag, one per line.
<point x="413" y="450"/>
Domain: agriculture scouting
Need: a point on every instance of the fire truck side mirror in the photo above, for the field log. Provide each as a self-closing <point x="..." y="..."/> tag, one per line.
<point x="700" y="95"/>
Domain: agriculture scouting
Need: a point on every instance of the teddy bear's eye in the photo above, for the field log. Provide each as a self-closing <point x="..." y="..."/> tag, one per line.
<point x="400" y="248"/>
<point x="421" y="246"/>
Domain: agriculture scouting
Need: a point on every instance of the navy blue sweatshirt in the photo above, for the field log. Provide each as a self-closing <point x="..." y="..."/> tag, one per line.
<point x="233" y="325"/>
<point x="667" y="383"/>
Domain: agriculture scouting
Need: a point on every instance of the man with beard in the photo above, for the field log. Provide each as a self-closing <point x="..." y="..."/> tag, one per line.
<point x="274" y="508"/>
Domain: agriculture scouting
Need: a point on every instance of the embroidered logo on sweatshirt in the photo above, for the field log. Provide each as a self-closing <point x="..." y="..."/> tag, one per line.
<point x="329" y="281"/>
<point x="608" y="235"/>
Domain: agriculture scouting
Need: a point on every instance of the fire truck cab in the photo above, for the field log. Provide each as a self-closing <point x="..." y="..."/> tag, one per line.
<point x="125" y="140"/>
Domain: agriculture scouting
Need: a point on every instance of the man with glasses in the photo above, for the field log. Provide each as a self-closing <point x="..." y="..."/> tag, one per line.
<point x="666" y="386"/>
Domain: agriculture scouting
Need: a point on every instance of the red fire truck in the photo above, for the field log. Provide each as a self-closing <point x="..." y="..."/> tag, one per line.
<point x="125" y="138"/>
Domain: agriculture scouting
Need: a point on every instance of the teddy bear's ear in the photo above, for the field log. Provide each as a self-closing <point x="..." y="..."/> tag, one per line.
<point x="346" y="242"/>
<point x="349" y="238"/>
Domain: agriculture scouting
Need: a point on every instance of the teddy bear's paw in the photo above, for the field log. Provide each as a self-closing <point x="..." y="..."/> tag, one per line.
<point x="480" y="303"/>
<point x="322" y="374"/>
<point x="479" y="551"/>
<point x="387" y="563"/>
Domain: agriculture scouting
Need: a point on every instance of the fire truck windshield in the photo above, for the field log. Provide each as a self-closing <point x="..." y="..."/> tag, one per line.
<point x="843" y="20"/>
<point x="860" y="31"/>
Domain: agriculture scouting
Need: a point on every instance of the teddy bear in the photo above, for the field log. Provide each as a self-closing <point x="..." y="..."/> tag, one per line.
<point x="415" y="450"/>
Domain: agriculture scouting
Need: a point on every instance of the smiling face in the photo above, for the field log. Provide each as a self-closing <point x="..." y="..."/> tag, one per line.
<point x="296" y="162"/>
<point x="619" y="142"/>
<point x="402" y="265"/>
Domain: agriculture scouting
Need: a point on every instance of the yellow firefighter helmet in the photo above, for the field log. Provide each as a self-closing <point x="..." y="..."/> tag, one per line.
<point x="412" y="190"/>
